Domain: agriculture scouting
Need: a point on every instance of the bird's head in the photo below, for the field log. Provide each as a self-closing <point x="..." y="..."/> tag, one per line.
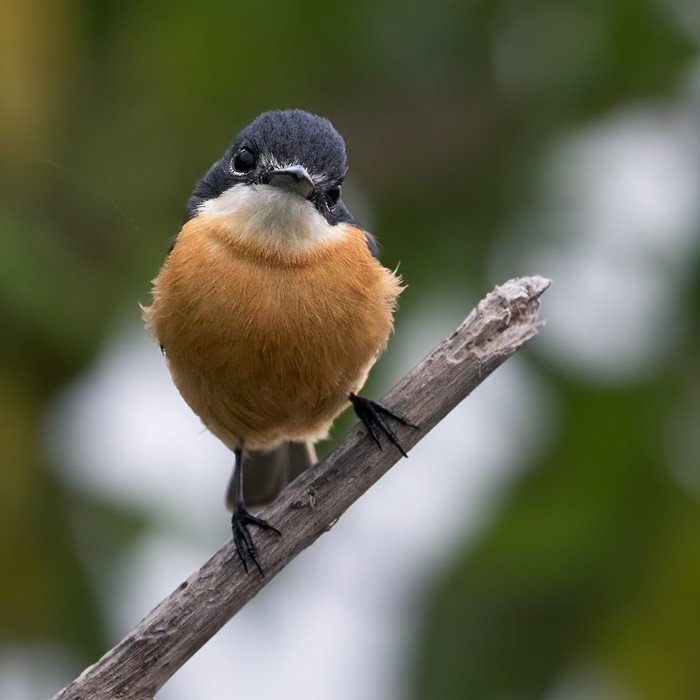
<point x="279" y="181"/>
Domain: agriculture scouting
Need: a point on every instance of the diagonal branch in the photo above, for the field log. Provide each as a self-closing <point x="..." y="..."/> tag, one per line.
<point x="181" y="624"/>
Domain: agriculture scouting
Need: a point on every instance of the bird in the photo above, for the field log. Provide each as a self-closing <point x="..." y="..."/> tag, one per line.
<point x="271" y="307"/>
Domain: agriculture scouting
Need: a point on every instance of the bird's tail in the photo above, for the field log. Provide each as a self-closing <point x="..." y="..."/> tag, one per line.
<point x="265" y="474"/>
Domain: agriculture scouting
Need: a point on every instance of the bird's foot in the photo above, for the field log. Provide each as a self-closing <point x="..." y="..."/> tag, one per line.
<point x="240" y="522"/>
<point x="372" y="414"/>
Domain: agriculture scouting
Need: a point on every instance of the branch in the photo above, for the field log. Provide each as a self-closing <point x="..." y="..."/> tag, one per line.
<point x="181" y="624"/>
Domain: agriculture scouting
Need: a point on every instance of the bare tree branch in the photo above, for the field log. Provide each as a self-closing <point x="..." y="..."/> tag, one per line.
<point x="181" y="624"/>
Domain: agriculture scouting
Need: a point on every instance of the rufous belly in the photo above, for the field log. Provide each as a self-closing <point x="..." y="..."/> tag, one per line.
<point x="266" y="346"/>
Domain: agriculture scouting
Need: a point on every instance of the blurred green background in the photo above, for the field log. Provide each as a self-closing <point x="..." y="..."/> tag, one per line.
<point x="486" y="139"/>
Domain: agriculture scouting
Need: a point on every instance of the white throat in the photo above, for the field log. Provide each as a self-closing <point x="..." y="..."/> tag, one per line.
<point x="267" y="215"/>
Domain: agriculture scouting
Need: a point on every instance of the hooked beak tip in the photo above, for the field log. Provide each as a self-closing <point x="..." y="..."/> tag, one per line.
<point x="295" y="179"/>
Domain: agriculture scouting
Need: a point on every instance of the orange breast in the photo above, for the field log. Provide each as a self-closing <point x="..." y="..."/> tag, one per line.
<point x="266" y="346"/>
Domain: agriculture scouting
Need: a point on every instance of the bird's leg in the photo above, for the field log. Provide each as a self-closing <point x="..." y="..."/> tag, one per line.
<point x="242" y="519"/>
<point x="372" y="414"/>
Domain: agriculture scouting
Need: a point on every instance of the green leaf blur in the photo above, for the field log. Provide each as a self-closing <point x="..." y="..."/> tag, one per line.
<point x="111" y="111"/>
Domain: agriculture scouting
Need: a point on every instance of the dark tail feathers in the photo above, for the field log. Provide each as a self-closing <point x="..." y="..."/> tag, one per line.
<point x="265" y="474"/>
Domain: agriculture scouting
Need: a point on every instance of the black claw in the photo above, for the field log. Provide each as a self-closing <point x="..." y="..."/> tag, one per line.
<point x="372" y="413"/>
<point x="367" y="416"/>
<point x="243" y="540"/>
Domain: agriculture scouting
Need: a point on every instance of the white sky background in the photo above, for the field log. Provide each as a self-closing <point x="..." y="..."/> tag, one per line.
<point x="616" y="228"/>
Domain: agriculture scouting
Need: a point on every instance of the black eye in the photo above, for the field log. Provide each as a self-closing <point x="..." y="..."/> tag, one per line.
<point x="333" y="195"/>
<point x="244" y="161"/>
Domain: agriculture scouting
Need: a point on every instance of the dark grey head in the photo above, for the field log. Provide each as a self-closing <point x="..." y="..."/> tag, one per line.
<point x="287" y="149"/>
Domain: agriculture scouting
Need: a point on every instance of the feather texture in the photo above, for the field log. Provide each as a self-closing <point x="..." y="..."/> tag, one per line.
<point x="265" y="344"/>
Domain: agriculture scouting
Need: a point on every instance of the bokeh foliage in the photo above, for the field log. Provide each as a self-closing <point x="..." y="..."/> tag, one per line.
<point x="110" y="111"/>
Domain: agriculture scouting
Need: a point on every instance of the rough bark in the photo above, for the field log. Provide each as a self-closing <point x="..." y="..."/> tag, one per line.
<point x="138" y="666"/>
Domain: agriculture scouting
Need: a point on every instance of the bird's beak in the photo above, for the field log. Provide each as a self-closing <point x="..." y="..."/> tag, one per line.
<point x="293" y="179"/>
